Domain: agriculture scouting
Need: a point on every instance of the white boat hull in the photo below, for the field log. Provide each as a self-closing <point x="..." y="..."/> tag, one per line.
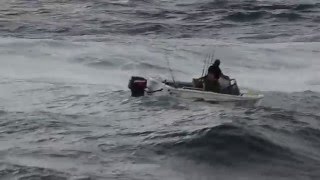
<point x="211" y="96"/>
<point x="185" y="92"/>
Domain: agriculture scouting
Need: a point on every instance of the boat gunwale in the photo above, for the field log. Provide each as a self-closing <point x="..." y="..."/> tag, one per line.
<point x="257" y="96"/>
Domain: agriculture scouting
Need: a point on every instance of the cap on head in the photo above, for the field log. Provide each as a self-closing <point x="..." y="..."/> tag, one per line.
<point x="217" y="62"/>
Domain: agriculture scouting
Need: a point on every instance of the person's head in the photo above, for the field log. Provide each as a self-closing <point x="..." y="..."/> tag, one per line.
<point x="216" y="62"/>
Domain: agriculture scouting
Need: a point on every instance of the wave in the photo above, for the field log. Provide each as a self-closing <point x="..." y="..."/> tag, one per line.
<point x="256" y="15"/>
<point x="316" y="19"/>
<point x="27" y="172"/>
<point x="148" y="67"/>
<point x="158" y="19"/>
<point x="302" y="7"/>
<point x="297" y="7"/>
<point x="287" y="15"/>
<point x="144" y="65"/>
<point x="246" y="16"/>
<point x="228" y="144"/>
<point x="3" y="112"/>
<point x="147" y="27"/>
<point x="255" y="5"/>
<point x="101" y="64"/>
<point x="310" y="133"/>
<point x="252" y="10"/>
<point x="159" y="14"/>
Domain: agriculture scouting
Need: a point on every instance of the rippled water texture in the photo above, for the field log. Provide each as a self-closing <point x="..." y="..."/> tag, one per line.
<point x="245" y="20"/>
<point x="66" y="112"/>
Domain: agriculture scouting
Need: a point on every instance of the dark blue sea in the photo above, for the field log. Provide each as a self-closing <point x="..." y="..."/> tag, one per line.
<point x="66" y="112"/>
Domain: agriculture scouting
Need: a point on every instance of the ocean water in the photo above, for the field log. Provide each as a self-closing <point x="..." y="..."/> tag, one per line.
<point x="66" y="112"/>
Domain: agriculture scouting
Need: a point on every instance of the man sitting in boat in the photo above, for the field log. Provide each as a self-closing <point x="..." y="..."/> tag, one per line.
<point x="211" y="80"/>
<point x="214" y="81"/>
<point x="215" y="69"/>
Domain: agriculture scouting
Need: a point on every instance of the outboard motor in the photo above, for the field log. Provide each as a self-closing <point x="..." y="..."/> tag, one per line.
<point x="229" y="86"/>
<point x="234" y="89"/>
<point x="137" y="85"/>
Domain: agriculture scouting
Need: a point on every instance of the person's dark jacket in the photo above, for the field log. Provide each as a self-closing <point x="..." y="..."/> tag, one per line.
<point x="215" y="69"/>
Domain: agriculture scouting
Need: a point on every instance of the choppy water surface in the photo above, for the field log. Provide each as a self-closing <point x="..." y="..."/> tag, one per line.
<point x="65" y="111"/>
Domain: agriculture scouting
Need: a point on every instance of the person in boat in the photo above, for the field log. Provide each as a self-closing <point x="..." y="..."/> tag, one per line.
<point x="215" y="69"/>
<point x="211" y="80"/>
<point x="214" y="81"/>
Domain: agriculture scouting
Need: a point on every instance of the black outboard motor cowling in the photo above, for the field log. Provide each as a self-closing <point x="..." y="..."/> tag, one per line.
<point x="137" y="85"/>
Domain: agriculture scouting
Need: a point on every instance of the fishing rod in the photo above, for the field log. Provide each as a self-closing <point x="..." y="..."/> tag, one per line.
<point x="211" y="59"/>
<point x="170" y="70"/>
<point x="208" y="61"/>
<point x="204" y="64"/>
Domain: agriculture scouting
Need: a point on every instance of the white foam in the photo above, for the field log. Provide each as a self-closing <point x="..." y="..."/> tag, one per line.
<point x="276" y="67"/>
<point x="288" y="67"/>
<point x="54" y="61"/>
<point x="266" y="67"/>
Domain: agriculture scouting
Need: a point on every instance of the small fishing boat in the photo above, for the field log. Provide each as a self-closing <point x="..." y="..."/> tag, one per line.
<point x="140" y="86"/>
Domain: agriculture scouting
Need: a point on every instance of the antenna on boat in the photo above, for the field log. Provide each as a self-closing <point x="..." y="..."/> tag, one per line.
<point x="204" y="64"/>
<point x="170" y="70"/>
<point x="212" y="57"/>
<point x="207" y="62"/>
